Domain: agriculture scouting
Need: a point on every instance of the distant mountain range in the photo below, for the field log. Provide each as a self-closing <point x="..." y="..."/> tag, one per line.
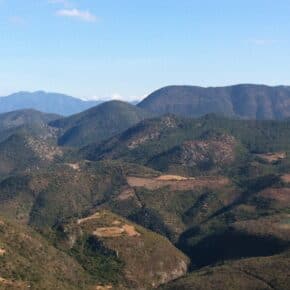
<point x="45" y="102"/>
<point x="239" y="101"/>
<point x="245" y="101"/>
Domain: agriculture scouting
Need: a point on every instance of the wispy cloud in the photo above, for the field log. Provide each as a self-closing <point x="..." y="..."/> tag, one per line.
<point x="78" y="14"/>
<point x="117" y="96"/>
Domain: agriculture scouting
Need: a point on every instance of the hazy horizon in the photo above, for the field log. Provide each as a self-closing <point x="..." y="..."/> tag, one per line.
<point x="132" y="98"/>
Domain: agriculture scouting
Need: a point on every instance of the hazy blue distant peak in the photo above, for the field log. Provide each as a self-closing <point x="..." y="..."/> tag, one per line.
<point x="46" y="102"/>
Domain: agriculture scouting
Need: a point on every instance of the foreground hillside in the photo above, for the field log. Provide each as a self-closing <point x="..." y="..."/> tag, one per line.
<point x="240" y="101"/>
<point x="28" y="261"/>
<point x="257" y="273"/>
<point x="169" y="202"/>
<point x="102" y="249"/>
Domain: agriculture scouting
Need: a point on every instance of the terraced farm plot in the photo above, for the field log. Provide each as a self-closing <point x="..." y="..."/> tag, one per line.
<point x="178" y="182"/>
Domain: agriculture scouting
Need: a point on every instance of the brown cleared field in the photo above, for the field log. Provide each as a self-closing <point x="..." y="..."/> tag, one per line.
<point x="178" y="182"/>
<point x="172" y="178"/>
<point x="107" y="287"/>
<point x="276" y="226"/>
<point x="115" y="231"/>
<point x="278" y="194"/>
<point x="286" y="178"/>
<point x="272" y="157"/>
<point x="92" y="217"/>
<point x="127" y="193"/>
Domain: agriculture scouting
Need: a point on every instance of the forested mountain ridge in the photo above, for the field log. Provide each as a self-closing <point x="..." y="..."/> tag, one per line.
<point x="246" y="101"/>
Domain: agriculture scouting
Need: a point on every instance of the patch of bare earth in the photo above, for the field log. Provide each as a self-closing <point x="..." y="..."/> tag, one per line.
<point x="108" y="232"/>
<point x="221" y="149"/>
<point x="74" y="166"/>
<point x="107" y="287"/>
<point x="127" y="193"/>
<point x="2" y="252"/>
<point x="131" y="231"/>
<point x="116" y="223"/>
<point x="274" y="226"/>
<point x="284" y="226"/>
<point x="14" y="284"/>
<point x="143" y="139"/>
<point x="279" y="194"/>
<point x="92" y="217"/>
<point x="116" y="231"/>
<point x="178" y="183"/>
<point x="286" y="178"/>
<point x="153" y="134"/>
<point x="171" y="177"/>
<point x="272" y="157"/>
<point x="44" y="151"/>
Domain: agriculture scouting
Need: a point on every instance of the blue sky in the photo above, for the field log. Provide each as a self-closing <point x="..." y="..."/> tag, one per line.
<point x="128" y="48"/>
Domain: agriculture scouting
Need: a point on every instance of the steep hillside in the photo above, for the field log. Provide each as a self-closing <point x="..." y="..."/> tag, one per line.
<point x="44" y="102"/>
<point x="28" y="261"/>
<point x="98" y="123"/>
<point x="144" y="259"/>
<point x="23" y="152"/>
<point x="27" y="121"/>
<point x="241" y="101"/>
<point x="49" y="195"/>
<point x="111" y="250"/>
<point x="263" y="273"/>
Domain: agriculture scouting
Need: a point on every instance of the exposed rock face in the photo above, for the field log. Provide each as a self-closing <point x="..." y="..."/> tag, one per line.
<point x="143" y="139"/>
<point x="153" y="133"/>
<point x="220" y="151"/>
<point x="44" y="151"/>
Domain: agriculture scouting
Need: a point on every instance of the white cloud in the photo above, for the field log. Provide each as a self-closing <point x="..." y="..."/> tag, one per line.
<point x="79" y="14"/>
<point x="117" y="96"/>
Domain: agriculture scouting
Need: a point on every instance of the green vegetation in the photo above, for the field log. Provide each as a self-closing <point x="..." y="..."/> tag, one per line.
<point x="255" y="273"/>
<point x="151" y="139"/>
<point x="102" y="264"/>
<point x="26" y="122"/>
<point x="244" y="101"/>
<point x="30" y="261"/>
<point x="216" y="189"/>
<point x="98" y="123"/>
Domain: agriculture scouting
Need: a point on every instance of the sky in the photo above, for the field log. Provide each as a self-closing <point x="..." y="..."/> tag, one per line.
<point x="125" y="49"/>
